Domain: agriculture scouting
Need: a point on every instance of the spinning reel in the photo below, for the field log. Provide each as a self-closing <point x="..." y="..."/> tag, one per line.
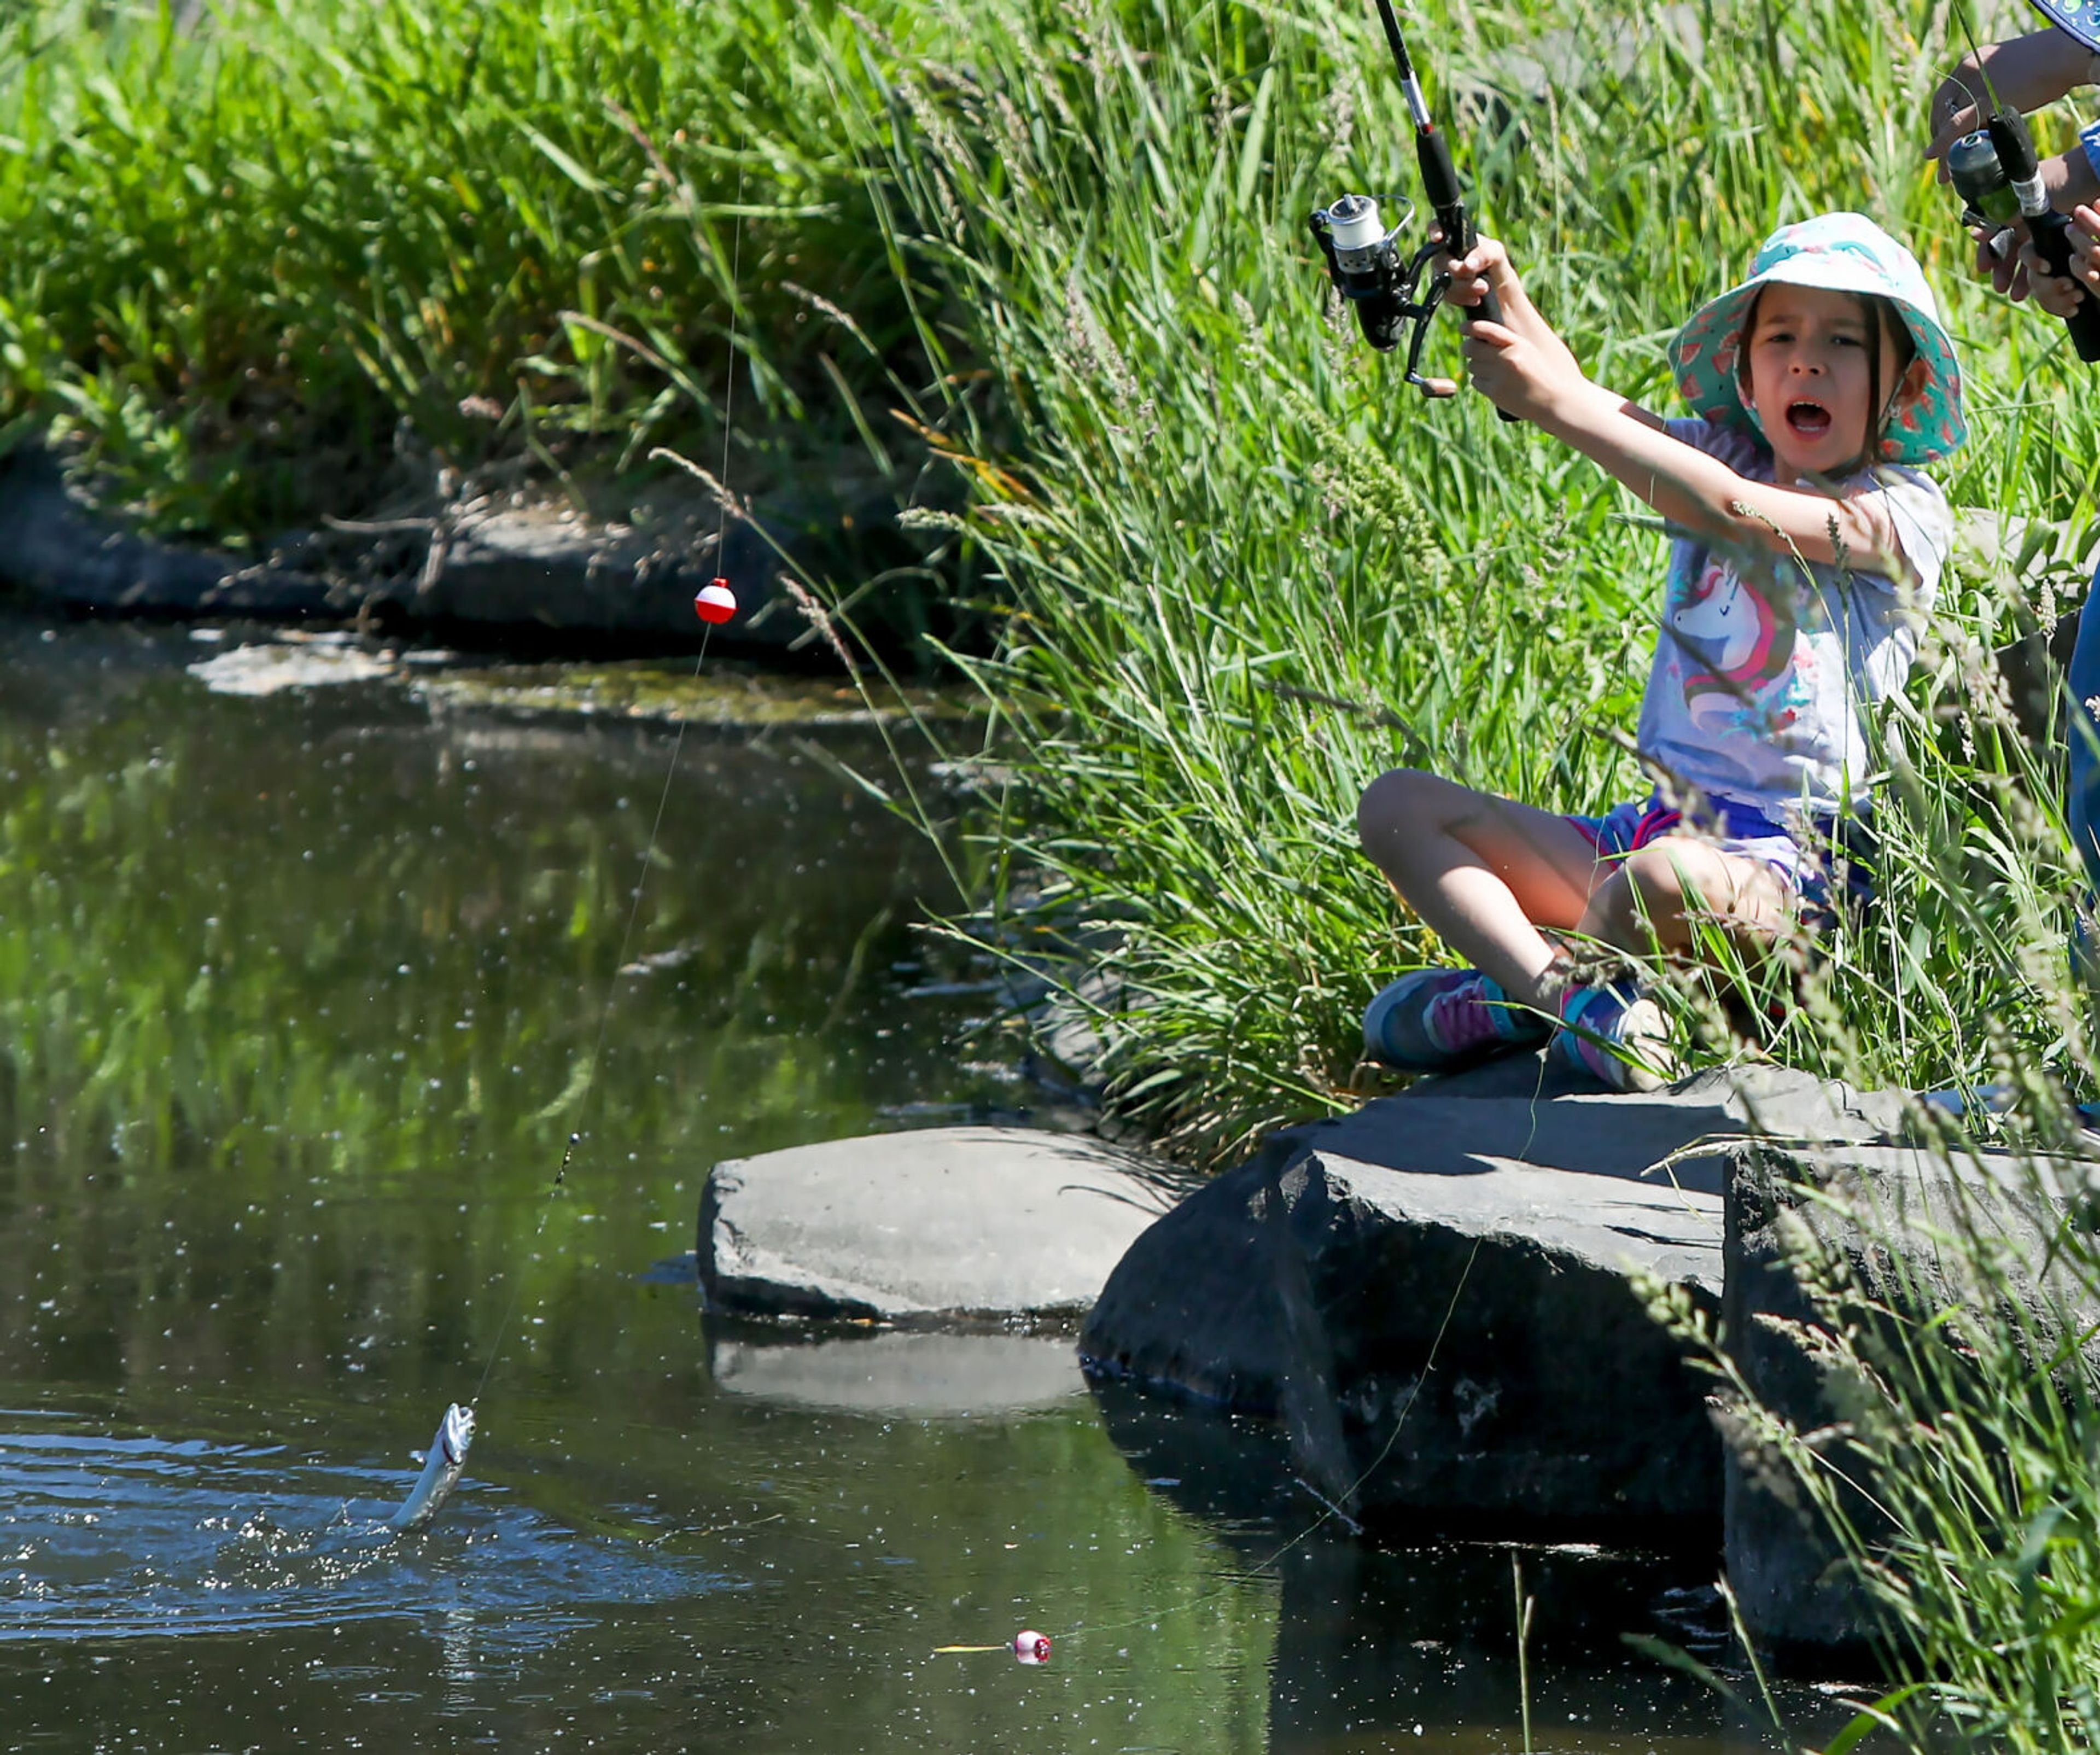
<point x="1366" y="262"/>
<point x="1995" y="172"/>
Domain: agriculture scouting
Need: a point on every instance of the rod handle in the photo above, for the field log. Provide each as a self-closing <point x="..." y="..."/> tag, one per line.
<point x="2052" y="236"/>
<point x="1440" y="182"/>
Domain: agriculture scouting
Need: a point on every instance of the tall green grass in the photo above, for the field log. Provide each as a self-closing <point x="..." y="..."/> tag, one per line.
<point x="278" y="260"/>
<point x="1250" y="569"/>
<point x="273" y="259"/>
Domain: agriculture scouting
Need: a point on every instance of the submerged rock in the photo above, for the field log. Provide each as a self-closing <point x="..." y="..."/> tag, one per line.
<point x="981" y="1221"/>
<point x="1438" y="1296"/>
<point x="272" y="667"/>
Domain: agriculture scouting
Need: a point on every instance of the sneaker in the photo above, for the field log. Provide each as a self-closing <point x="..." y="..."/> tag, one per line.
<point x="1436" y="1020"/>
<point x="1616" y="1034"/>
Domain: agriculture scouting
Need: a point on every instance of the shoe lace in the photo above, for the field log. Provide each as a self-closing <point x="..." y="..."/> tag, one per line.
<point x="1463" y="1018"/>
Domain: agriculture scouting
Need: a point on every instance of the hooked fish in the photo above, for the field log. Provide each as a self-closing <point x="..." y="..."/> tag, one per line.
<point x="441" y="1468"/>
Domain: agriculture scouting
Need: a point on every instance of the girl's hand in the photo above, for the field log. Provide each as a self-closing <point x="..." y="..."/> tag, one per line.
<point x="2059" y="294"/>
<point x="1519" y="364"/>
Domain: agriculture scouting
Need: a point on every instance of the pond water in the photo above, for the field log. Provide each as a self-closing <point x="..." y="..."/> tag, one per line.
<point x="298" y="995"/>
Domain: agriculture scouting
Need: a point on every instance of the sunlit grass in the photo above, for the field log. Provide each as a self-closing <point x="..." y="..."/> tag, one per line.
<point x="271" y="258"/>
<point x="1250" y="569"/>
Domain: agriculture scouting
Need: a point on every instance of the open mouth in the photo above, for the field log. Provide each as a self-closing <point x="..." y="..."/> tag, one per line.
<point x="1810" y="420"/>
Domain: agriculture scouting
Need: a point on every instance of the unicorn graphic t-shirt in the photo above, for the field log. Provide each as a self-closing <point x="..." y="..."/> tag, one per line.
<point x="1765" y="666"/>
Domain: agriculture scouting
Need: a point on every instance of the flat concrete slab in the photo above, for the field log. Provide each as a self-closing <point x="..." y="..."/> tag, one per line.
<point x="979" y="1221"/>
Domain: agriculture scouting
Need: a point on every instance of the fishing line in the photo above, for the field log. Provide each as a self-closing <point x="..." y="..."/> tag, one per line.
<point x="1327" y="1516"/>
<point x="588" y="1086"/>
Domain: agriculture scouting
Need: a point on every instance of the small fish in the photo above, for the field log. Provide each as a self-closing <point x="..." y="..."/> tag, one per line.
<point x="441" y="1468"/>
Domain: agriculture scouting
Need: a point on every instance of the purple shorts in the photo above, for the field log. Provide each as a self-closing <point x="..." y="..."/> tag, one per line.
<point x="1734" y="828"/>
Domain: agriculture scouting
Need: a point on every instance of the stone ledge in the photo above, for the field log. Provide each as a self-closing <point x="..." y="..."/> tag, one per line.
<point x="1795" y="1593"/>
<point x="1502" y="1234"/>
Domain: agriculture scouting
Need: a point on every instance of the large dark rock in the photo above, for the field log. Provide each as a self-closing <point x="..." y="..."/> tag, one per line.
<point x="1438" y="1296"/>
<point x="55" y="548"/>
<point x="543" y="566"/>
<point x="987" y="1221"/>
<point x="1907" y="1227"/>
<point x="497" y="566"/>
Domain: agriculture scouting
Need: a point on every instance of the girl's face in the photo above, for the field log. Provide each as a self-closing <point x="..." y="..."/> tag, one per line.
<point x="1809" y="379"/>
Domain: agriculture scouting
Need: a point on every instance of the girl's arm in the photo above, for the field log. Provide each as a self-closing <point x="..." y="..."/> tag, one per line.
<point x="1522" y="365"/>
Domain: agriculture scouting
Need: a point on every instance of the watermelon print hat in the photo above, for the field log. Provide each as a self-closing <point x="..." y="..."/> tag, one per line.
<point x="1844" y="253"/>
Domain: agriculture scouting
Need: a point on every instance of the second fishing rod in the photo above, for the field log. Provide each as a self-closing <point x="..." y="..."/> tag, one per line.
<point x="1997" y="173"/>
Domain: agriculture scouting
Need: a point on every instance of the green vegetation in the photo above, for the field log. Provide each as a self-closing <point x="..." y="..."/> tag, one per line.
<point x="271" y="260"/>
<point x="1239" y="569"/>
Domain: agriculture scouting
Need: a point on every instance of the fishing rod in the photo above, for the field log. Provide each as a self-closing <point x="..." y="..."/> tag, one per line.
<point x="1364" y="260"/>
<point x="1997" y="174"/>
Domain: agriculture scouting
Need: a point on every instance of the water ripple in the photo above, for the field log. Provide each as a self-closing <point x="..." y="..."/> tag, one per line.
<point x="115" y="1537"/>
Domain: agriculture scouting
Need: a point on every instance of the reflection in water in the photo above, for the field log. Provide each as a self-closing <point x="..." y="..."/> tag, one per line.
<point x="298" y="998"/>
<point x="906" y="1373"/>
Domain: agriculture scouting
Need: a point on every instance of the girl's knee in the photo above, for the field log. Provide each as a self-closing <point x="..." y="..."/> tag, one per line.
<point x="1663" y="883"/>
<point x="1389" y="799"/>
<point x="1657" y="878"/>
<point x="1641" y="902"/>
<point x="1403" y="798"/>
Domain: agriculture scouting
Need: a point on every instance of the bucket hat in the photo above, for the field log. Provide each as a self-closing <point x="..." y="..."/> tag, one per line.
<point x="1843" y="253"/>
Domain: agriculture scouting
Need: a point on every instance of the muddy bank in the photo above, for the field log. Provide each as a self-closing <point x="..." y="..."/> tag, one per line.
<point x="501" y="566"/>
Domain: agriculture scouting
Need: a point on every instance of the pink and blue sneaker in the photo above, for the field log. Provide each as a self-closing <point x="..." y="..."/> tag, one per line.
<point x="1437" y="1020"/>
<point x="1618" y="1034"/>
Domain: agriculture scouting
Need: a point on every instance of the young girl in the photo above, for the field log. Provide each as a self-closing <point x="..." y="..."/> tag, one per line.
<point x="1805" y="562"/>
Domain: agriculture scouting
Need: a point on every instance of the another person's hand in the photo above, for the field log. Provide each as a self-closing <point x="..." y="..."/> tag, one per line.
<point x="2059" y="295"/>
<point x="2025" y="73"/>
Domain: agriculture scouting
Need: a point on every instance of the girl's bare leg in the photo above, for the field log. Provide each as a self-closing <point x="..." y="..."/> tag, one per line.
<point x="1484" y="874"/>
<point x="1649" y="898"/>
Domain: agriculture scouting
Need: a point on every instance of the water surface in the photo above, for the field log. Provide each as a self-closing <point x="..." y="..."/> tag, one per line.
<point x="301" y="998"/>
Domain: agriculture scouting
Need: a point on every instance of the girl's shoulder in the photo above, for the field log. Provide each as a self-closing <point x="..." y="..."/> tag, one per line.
<point x="1913" y="489"/>
<point x="1741" y="450"/>
<point x="1918" y="514"/>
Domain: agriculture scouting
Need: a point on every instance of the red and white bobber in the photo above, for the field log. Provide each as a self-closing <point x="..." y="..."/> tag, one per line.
<point x="1031" y="1647"/>
<point x="715" y="602"/>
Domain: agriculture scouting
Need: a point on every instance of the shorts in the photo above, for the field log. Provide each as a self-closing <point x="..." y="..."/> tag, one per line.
<point x="1801" y="864"/>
